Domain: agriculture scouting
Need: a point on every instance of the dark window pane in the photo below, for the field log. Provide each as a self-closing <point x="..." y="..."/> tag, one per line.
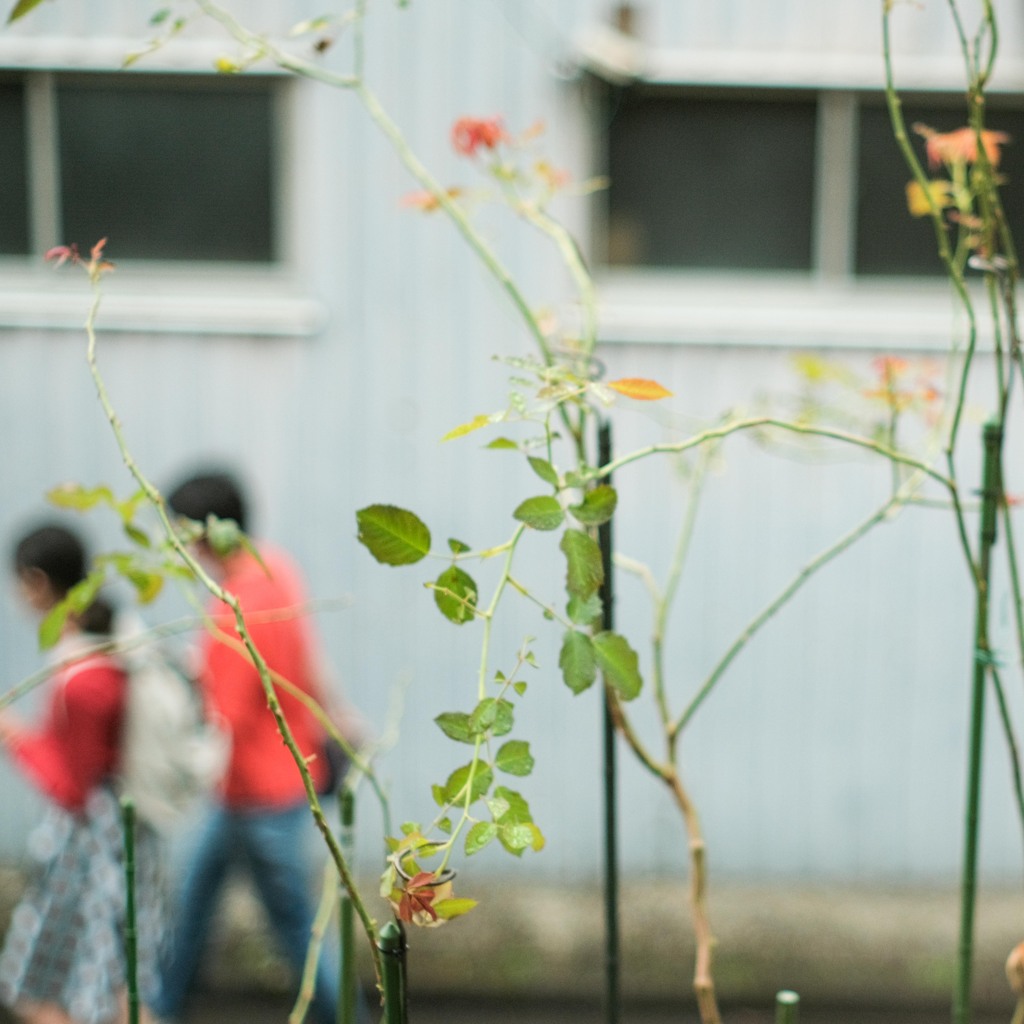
<point x="889" y="240"/>
<point x="13" y="191"/>
<point x="711" y="182"/>
<point x="174" y="170"/>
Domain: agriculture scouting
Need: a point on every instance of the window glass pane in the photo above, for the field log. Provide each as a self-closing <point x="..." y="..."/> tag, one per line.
<point x="716" y="182"/>
<point x="172" y="169"/>
<point x="889" y="240"/>
<point x="14" y="191"/>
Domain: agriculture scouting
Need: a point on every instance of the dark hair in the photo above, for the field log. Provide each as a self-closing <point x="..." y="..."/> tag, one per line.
<point x="60" y="556"/>
<point x="218" y="494"/>
<point x="54" y="551"/>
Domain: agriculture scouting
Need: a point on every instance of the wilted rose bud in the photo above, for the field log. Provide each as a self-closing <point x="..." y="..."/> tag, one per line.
<point x="1015" y="969"/>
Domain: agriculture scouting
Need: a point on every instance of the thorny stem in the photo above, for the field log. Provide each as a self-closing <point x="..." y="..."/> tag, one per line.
<point x="356" y="84"/>
<point x="805" y="574"/>
<point x="314" y="707"/>
<point x="214" y="588"/>
<point x="321" y="921"/>
<point x="703" y="978"/>
<point x="757" y="422"/>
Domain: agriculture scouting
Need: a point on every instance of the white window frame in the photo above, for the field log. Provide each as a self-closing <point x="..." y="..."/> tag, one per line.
<point x="828" y="307"/>
<point x="148" y="296"/>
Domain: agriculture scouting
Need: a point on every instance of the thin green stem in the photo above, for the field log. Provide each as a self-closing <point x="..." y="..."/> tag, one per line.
<point x="671" y="589"/>
<point x="774" y="606"/>
<point x="217" y="591"/>
<point x="759" y="422"/>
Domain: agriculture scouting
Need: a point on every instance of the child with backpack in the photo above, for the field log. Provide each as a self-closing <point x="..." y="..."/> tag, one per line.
<point x="63" y="960"/>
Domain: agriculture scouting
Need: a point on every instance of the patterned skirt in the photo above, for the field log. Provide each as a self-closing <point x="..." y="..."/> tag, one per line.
<point x="66" y="942"/>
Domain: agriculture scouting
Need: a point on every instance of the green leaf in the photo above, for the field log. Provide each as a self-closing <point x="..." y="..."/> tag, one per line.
<point x="542" y="513"/>
<point x="619" y="663"/>
<point x="498" y="806"/>
<point x="544" y="470"/>
<point x="454" y="788"/>
<point x="598" y="506"/>
<point x="467" y="428"/>
<point x="445" y="825"/>
<point x="137" y="535"/>
<point x="148" y="585"/>
<point x="455" y="595"/>
<point x="584" y="568"/>
<point x="503" y="443"/>
<point x="517" y="809"/>
<point x="223" y="535"/>
<point x="577" y="661"/>
<point x="76" y="601"/>
<point x="79" y="498"/>
<point x="518" y="837"/>
<point x="514" y="758"/>
<point x="584" y="611"/>
<point x="455" y="907"/>
<point x="52" y="625"/>
<point x="519" y="687"/>
<point x="456" y="726"/>
<point x="492" y="714"/>
<point x="21" y="8"/>
<point x="479" y="836"/>
<point x="393" y="535"/>
<point x="456" y="547"/>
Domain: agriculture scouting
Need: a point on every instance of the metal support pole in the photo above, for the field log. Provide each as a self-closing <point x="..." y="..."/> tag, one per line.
<point x="611" y="859"/>
<point x="991" y="499"/>
<point x="346" y="915"/>
<point x="392" y="947"/>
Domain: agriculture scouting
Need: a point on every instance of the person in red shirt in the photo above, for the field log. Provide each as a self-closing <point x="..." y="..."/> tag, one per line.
<point x="261" y="819"/>
<point x="63" y="956"/>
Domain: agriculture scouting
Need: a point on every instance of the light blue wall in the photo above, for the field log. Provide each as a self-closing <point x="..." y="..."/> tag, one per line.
<point x="835" y="746"/>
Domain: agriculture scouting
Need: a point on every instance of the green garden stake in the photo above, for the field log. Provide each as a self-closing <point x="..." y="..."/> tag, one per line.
<point x="787" y="1007"/>
<point x="346" y="916"/>
<point x="130" y="933"/>
<point x="391" y="944"/>
<point x="991" y="499"/>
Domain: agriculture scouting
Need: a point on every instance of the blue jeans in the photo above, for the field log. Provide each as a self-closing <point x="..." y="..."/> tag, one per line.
<point x="270" y="844"/>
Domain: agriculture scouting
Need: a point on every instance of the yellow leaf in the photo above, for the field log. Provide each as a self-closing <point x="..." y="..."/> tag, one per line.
<point x="639" y="388"/>
<point x="467" y="428"/>
<point x="917" y="198"/>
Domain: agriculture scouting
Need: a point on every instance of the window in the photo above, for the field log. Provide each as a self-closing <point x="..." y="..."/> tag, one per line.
<point x="14" y="237"/>
<point x="794" y="180"/>
<point x="169" y="167"/>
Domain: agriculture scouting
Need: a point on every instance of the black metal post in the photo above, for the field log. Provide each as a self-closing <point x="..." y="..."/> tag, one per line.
<point x="611" y="848"/>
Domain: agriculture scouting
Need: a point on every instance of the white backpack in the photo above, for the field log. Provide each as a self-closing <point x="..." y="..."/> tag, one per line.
<point x="172" y="752"/>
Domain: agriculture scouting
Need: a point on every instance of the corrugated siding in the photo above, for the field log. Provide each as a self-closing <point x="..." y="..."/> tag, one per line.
<point x="835" y="744"/>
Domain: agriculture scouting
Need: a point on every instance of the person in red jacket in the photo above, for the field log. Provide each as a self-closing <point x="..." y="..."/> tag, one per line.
<point x="261" y="819"/>
<point x="63" y="958"/>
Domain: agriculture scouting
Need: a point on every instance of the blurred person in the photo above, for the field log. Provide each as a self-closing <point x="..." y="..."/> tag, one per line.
<point x="260" y="819"/>
<point x="63" y="958"/>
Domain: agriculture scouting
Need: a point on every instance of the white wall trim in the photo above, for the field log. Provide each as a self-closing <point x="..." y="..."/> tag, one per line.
<point x="910" y="315"/>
